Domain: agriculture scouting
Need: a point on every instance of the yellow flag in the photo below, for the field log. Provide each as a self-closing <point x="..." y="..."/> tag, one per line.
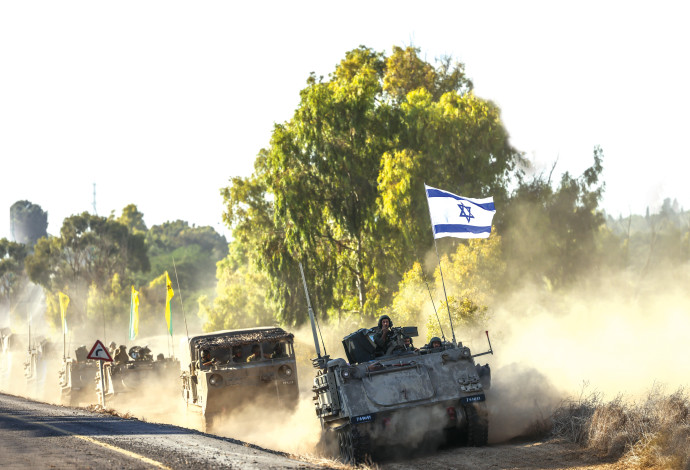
<point x="64" y="302"/>
<point x="169" y="295"/>
<point x="134" y="315"/>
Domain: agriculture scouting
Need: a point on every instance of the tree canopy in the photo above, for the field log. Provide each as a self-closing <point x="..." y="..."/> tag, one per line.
<point x="340" y="187"/>
<point x="91" y="253"/>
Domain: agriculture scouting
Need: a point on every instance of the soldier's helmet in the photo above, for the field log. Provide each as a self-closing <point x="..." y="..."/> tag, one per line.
<point x="433" y="340"/>
<point x="386" y="317"/>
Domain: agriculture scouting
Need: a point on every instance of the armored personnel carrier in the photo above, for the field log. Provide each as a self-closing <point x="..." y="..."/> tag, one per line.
<point x="40" y="357"/>
<point x="138" y="371"/>
<point x="76" y="377"/>
<point x="224" y="369"/>
<point x="11" y="352"/>
<point x="400" y="396"/>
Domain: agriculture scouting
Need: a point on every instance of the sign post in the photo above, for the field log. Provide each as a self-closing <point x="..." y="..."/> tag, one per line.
<point x="100" y="354"/>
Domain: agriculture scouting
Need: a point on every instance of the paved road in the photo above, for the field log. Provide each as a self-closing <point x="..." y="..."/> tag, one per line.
<point x="39" y="435"/>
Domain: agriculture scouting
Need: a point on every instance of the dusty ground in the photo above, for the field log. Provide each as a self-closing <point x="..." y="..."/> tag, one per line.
<point x="533" y="455"/>
<point x="38" y="435"/>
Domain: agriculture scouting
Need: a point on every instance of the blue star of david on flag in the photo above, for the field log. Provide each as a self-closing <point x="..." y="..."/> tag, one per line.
<point x="466" y="211"/>
<point x="473" y="220"/>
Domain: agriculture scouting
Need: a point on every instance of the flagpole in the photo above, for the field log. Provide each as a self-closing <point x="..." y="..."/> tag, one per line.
<point x="444" y="289"/>
<point x="433" y="305"/>
<point x="443" y="283"/>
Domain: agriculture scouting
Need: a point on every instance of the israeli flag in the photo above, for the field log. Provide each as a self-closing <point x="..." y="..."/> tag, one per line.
<point x="457" y="216"/>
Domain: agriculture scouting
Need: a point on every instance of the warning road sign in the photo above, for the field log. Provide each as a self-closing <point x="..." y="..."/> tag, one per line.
<point x="99" y="353"/>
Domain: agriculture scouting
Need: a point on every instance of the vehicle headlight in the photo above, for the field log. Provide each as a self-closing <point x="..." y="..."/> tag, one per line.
<point x="286" y="371"/>
<point x="345" y="373"/>
<point x="466" y="352"/>
<point x="215" y="380"/>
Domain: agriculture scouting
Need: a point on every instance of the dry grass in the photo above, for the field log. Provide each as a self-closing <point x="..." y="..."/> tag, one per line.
<point x="652" y="433"/>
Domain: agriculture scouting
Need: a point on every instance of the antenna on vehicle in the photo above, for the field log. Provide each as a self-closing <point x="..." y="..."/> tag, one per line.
<point x="433" y="305"/>
<point x="312" y="318"/>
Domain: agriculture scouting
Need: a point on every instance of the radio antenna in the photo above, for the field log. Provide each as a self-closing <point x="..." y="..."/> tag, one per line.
<point x="433" y="305"/>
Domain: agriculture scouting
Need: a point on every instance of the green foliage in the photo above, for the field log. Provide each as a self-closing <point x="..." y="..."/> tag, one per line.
<point x="341" y="186"/>
<point x="553" y="231"/>
<point x="472" y="273"/>
<point x="89" y="254"/>
<point x="133" y="219"/>
<point x="28" y="222"/>
<point x="12" y="275"/>
<point x="468" y="318"/>
<point x="195" y="251"/>
<point x="240" y="300"/>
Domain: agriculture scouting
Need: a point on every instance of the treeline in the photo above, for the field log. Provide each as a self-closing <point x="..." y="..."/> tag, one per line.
<point x="340" y="188"/>
<point x="95" y="261"/>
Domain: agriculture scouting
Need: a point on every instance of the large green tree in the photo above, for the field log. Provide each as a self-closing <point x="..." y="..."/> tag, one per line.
<point x="328" y="189"/>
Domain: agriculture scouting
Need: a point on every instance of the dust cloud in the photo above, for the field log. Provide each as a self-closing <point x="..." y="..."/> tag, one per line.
<point x="615" y="333"/>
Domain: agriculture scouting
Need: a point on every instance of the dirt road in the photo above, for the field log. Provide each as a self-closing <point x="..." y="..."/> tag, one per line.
<point x="535" y="455"/>
<point x="39" y="435"/>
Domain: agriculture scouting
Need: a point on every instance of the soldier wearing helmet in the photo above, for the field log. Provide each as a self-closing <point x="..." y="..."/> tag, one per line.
<point x="434" y="342"/>
<point x="382" y="333"/>
<point x="122" y="356"/>
<point x="408" y="344"/>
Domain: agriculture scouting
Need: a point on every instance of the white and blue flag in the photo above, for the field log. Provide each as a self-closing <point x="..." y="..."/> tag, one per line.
<point x="457" y="216"/>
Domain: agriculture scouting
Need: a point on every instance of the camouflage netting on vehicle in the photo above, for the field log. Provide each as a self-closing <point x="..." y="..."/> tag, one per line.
<point x="241" y="338"/>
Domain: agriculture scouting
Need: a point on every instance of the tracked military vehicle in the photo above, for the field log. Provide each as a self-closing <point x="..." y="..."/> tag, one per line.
<point x="400" y="396"/>
<point x="11" y="351"/>
<point x="225" y="369"/>
<point x="40" y="357"/>
<point x="76" y="376"/>
<point x="139" y="371"/>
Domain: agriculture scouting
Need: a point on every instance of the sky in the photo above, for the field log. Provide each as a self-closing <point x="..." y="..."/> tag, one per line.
<point x="160" y="103"/>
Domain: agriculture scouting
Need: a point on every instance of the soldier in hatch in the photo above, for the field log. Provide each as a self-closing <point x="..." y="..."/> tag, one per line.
<point x="382" y="334"/>
<point x="408" y="344"/>
<point x="434" y="342"/>
<point x="122" y="357"/>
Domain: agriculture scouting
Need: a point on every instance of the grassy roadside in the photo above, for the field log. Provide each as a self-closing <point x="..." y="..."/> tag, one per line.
<point x="653" y="432"/>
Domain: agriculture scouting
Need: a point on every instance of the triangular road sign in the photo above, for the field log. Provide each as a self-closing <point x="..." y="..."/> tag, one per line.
<point x="99" y="353"/>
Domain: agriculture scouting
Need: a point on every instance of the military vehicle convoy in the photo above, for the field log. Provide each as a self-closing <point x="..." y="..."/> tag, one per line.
<point x="398" y="396"/>
<point x="224" y="369"/>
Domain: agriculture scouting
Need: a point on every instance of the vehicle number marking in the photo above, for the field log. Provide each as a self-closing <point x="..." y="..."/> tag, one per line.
<point x="362" y="419"/>
<point x="472" y="399"/>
